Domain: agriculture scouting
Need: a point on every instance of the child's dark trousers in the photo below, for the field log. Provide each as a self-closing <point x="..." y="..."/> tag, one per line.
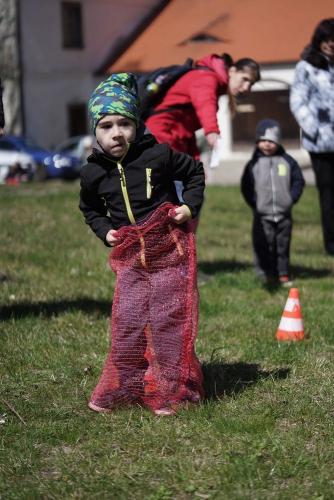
<point x="271" y="246"/>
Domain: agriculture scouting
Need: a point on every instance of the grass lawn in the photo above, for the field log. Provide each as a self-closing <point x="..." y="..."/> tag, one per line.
<point x="265" y="430"/>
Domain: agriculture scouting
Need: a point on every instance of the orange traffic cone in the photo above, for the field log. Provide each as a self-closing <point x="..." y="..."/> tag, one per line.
<point x="291" y="324"/>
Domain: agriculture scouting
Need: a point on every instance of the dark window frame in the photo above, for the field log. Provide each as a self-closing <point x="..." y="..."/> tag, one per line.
<point x="270" y="103"/>
<point x="77" y="123"/>
<point x="72" y="25"/>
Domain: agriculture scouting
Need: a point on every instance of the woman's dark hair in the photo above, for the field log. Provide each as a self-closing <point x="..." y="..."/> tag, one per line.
<point x="248" y="64"/>
<point x="323" y="32"/>
<point x="243" y="64"/>
<point x="227" y="59"/>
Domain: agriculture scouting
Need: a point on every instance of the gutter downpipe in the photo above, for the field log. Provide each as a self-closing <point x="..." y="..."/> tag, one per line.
<point x="20" y="67"/>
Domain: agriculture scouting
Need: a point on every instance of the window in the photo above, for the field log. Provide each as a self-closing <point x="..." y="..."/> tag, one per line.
<point x="72" y="25"/>
<point x="201" y="37"/>
<point x="258" y="105"/>
<point x="7" y="146"/>
<point x="77" y="119"/>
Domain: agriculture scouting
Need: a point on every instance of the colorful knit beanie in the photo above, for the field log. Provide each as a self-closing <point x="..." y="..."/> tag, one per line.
<point x="118" y="94"/>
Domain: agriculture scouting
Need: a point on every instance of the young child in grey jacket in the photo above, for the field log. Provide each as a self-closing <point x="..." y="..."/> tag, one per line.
<point x="272" y="182"/>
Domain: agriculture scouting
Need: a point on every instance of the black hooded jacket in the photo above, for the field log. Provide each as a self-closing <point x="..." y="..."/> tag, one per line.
<point x="150" y="170"/>
<point x="2" y="116"/>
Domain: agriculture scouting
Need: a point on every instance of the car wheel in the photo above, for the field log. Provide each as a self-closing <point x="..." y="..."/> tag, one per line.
<point x="40" y="174"/>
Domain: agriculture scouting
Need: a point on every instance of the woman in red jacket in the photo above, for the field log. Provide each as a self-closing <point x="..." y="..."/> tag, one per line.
<point x="192" y="101"/>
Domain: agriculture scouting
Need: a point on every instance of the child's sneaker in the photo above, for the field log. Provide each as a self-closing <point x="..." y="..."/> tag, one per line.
<point x="285" y="281"/>
<point x="164" y="412"/>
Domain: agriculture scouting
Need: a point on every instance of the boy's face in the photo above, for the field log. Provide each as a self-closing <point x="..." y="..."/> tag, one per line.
<point x="268" y="148"/>
<point x="114" y="133"/>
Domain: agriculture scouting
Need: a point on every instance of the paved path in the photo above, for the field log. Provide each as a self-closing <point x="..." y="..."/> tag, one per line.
<point x="230" y="170"/>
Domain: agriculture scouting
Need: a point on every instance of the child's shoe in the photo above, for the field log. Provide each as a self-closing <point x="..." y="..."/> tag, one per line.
<point x="100" y="409"/>
<point x="164" y="412"/>
<point x="285" y="281"/>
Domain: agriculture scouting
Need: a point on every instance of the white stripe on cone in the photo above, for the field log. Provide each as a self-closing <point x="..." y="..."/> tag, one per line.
<point x="292" y="305"/>
<point x="291" y="324"/>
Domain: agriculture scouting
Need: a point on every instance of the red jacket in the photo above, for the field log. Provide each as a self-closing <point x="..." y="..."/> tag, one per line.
<point x="200" y="89"/>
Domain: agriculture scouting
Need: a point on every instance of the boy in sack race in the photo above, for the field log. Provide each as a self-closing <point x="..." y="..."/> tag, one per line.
<point x="128" y="199"/>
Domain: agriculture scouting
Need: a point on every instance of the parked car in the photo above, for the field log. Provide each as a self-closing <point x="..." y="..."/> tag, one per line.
<point x="9" y="159"/>
<point x="48" y="165"/>
<point x="79" y="146"/>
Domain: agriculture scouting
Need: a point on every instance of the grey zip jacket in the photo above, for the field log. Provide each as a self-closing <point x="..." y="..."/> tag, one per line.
<point x="271" y="185"/>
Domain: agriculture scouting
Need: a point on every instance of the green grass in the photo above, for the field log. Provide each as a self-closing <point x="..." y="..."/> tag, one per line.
<point x="265" y="430"/>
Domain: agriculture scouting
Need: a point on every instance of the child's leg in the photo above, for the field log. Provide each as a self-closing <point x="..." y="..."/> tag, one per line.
<point x="121" y="381"/>
<point x="263" y="235"/>
<point x="174" y="374"/>
<point x="283" y="239"/>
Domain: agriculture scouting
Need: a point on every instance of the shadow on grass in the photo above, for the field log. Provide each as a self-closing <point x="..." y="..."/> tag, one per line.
<point x="300" y="272"/>
<point x="234" y="265"/>
<point x="227" y="379"/>
<point x="223" y="265"/>
<point x="48" y="309"/>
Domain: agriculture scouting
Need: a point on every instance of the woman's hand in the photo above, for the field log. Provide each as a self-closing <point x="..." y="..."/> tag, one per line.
<point x="212" y="138"/>
<point x="111" y="238"/>
<point x="181" y="214"/>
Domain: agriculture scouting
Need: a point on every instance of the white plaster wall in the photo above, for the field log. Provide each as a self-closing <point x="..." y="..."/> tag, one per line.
<point x="274" y="78"/>
<point x="55" y="77"/>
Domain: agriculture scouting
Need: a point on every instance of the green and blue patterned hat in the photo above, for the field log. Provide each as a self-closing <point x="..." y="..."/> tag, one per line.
<point x="118" y="94"/>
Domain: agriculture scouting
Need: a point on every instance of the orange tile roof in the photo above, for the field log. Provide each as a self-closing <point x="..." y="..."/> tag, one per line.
<point x="269" y="31"/>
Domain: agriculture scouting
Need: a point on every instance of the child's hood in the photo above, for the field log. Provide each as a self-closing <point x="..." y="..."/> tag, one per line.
<point x="217" y="65"/>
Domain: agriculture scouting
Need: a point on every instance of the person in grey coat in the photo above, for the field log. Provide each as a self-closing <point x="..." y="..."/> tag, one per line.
<point x="272" y="182"/>
<point x="312" y="103"/>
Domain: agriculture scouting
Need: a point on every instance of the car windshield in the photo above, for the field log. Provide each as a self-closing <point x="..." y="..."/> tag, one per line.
<point x="30" y="145"/>
<point x="6" y="146"/>
<point x="68" y="145"/>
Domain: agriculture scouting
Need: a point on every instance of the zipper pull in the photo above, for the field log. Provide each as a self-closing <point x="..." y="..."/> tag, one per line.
<point x="121" y="173"/>
<point x="148" y="183"/>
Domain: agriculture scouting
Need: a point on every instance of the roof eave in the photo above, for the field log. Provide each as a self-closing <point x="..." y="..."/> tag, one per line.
<point x="124" y="43"/>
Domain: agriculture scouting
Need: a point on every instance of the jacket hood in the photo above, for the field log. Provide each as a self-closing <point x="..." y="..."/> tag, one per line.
<point x="315" y="57"/>
<point x="216" y="64"/>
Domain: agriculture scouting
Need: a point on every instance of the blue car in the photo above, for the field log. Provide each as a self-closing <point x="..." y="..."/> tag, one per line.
<point x="49" y="165"/>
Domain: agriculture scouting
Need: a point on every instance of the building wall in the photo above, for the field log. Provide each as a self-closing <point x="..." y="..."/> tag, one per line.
<point x="55" y="77"/>
<point x="9" y="66"/>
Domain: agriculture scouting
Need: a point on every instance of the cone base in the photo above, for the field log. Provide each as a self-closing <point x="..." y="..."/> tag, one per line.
<point x="292" y="336"/>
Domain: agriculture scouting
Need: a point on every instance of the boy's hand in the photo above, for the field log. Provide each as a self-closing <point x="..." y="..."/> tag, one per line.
<point x="181" y="214"/>
<point x="111" y="238"/>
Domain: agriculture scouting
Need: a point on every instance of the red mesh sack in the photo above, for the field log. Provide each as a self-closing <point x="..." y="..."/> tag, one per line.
<point x="152" y="361"/>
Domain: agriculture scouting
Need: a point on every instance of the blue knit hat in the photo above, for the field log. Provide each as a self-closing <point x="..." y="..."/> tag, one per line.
<point x="118" y="94"/>
<point x="268" y="130"/>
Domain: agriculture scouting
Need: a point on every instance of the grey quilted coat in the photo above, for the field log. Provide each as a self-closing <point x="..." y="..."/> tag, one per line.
<point x="312" y="101"/>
